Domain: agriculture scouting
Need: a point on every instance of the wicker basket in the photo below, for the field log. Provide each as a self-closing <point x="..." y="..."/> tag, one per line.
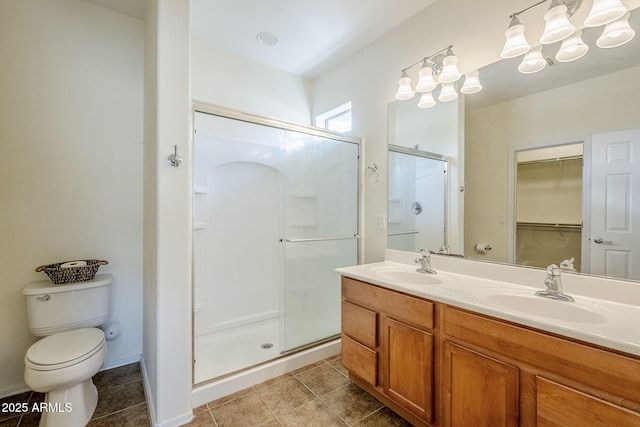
<point x="60" y="275"/>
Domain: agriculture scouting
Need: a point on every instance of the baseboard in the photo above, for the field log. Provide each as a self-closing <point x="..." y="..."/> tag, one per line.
<point x="121" y="362"/>
<point x="151" y="409"/>
<point x="12" y="391"/>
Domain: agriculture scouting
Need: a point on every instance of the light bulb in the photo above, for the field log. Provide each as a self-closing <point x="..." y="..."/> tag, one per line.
<point x="604" y="11"/>
<point x="557" y="25"/>
<point x="533" y="61"/>
<point x="426" y="100"/>
<point x="471" y="83"/>
<point x="572" y="48"/>
<point x="450" y="71"/>
<point x="404" y="88"/>
<point x="616" y="33"/>
<point x="515" y="44"/>
<point x="447" y="93"/>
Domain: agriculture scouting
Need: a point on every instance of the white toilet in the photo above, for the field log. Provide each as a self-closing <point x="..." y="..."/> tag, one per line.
<point x="73" y="350"/>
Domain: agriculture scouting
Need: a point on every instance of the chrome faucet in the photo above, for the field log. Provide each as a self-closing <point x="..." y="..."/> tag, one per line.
<point x="554" y="285"/>
<point x="425" y="262"/>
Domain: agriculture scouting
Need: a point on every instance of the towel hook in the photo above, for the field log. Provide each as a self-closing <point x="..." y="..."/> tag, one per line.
<point x="173" y="159"/>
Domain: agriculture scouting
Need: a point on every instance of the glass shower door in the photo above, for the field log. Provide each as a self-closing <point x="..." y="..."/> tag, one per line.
<point x="321" y="226"/>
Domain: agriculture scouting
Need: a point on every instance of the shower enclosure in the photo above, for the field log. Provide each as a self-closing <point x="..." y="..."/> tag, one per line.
<point x="417" y="200"/>
<point x="275" y="212"/>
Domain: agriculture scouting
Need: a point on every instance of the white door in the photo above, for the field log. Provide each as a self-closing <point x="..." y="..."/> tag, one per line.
<point x="615" y="209"/>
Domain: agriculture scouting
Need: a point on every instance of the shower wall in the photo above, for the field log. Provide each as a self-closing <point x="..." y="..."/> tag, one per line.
<point x="275" y="212"/>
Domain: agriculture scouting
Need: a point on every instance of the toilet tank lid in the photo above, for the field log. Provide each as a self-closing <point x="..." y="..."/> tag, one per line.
<point x="65" y="346"/>
<point x="48" y="287"/>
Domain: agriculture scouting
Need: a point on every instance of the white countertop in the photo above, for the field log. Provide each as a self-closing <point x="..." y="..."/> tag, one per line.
<point x="608" y="322"/>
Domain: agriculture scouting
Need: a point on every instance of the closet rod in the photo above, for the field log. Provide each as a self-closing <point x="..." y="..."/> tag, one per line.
<point x="548" y="225"/>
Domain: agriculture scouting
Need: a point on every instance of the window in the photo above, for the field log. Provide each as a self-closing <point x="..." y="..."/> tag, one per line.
<point x="337" y="119"/>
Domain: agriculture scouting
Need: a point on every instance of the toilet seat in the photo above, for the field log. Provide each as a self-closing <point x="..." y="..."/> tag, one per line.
<point x="64" y="349"/>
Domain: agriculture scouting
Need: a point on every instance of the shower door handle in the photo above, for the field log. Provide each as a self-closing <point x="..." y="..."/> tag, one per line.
<point x="320" y="239"/>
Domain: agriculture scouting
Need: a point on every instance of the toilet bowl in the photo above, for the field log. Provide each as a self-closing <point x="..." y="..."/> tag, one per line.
<point x="73" y="348"/>
<point x="62" y="365"/>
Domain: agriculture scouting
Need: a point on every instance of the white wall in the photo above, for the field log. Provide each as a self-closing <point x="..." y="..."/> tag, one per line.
<point x="166" y="360"/>
<point x="222" y="78"/>
<point x="71" y="180"/>
<point x="599" y="105"/>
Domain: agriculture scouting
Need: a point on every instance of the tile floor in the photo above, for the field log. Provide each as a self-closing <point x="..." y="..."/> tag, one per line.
<point x="318" y="395"/>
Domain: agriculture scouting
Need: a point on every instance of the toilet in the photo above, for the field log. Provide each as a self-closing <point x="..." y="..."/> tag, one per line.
<point x="73" y="349"/>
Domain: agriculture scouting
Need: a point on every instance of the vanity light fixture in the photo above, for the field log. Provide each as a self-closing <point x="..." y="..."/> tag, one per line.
<point x="611" y="13"/>
<point x="604" y="11"/>
<point x="533" y="61"/>
<point x="572" y="48"/>
<point x="616" y="33"/>
<point x="471" y="83"/>
<point x="557" y="26"/>
<point x="404" y="87"/>
<point x="441" y="68"/>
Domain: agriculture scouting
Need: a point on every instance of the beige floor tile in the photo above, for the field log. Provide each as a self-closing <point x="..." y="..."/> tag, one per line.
<point x="118" y="398"/>
<point x="352" y="403"/>
<point x="337" y="363"/>
<point x="117" y="376"/>
<point x="285" y="395"/>
<point x="229" y="398"/>
<point x="135" y="416"/>
<point x="202" y="419"/>
<point x="385" y="417"/>
<point x="312" y="414"/>
<point x="323" y="379"/>
<point x="246" y="411"/>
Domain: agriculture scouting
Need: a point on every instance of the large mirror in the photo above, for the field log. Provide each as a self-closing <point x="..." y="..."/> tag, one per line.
<point x="511" y="130"/>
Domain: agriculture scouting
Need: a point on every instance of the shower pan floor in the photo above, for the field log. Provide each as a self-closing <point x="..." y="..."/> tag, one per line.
<point x="232" y="349"/>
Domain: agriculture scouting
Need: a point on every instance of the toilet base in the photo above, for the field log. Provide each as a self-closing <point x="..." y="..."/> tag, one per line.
<point x="70" y="407"/>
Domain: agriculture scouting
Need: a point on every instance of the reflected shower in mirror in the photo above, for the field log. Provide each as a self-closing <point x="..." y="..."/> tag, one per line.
<point x="417" y="200"/>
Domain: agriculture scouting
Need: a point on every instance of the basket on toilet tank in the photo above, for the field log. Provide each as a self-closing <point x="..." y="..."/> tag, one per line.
<point x="72" y="271"/>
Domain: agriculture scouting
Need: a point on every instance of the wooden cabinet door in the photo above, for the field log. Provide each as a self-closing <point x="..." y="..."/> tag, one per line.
<point x="561" y="406"/>
<point x="480" y="391"/>
<point x="407" y="368"/>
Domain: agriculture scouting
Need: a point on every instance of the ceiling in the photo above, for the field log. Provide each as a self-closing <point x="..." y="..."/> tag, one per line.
<point x="312" y="35"/>
<point x="316" y="35"/>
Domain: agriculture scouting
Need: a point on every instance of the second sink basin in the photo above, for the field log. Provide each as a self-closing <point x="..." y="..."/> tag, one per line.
<point x="407" y="276"/>
<point x="526" y="302"/>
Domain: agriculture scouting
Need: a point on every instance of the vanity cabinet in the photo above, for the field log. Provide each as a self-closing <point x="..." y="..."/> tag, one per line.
<point x="388" y="347"/>
<point x="532" y="378"/>
<point x="438" y="365"/>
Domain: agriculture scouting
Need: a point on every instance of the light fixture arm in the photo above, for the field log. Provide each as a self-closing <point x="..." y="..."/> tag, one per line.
<point x="514" y="15"/>
<point x="429" y="59"/>
<point x="572" y="6"/>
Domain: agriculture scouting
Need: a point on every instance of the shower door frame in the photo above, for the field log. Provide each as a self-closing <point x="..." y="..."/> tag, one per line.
<point x="216" y="110"/>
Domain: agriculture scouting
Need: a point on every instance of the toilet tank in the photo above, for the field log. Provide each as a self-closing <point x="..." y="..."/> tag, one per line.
<point x="55" y="308"/>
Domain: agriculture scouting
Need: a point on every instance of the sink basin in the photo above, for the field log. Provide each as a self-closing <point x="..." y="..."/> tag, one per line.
<point x="407" y="276"/>
<point x="528" y="303"/>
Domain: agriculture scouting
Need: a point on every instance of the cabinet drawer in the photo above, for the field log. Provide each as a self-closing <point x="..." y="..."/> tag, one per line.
<point x="360" y="360"/>
<point x="412" y="310"/>
<point x="359" y="324"/>
<point x="558" y="405"/>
